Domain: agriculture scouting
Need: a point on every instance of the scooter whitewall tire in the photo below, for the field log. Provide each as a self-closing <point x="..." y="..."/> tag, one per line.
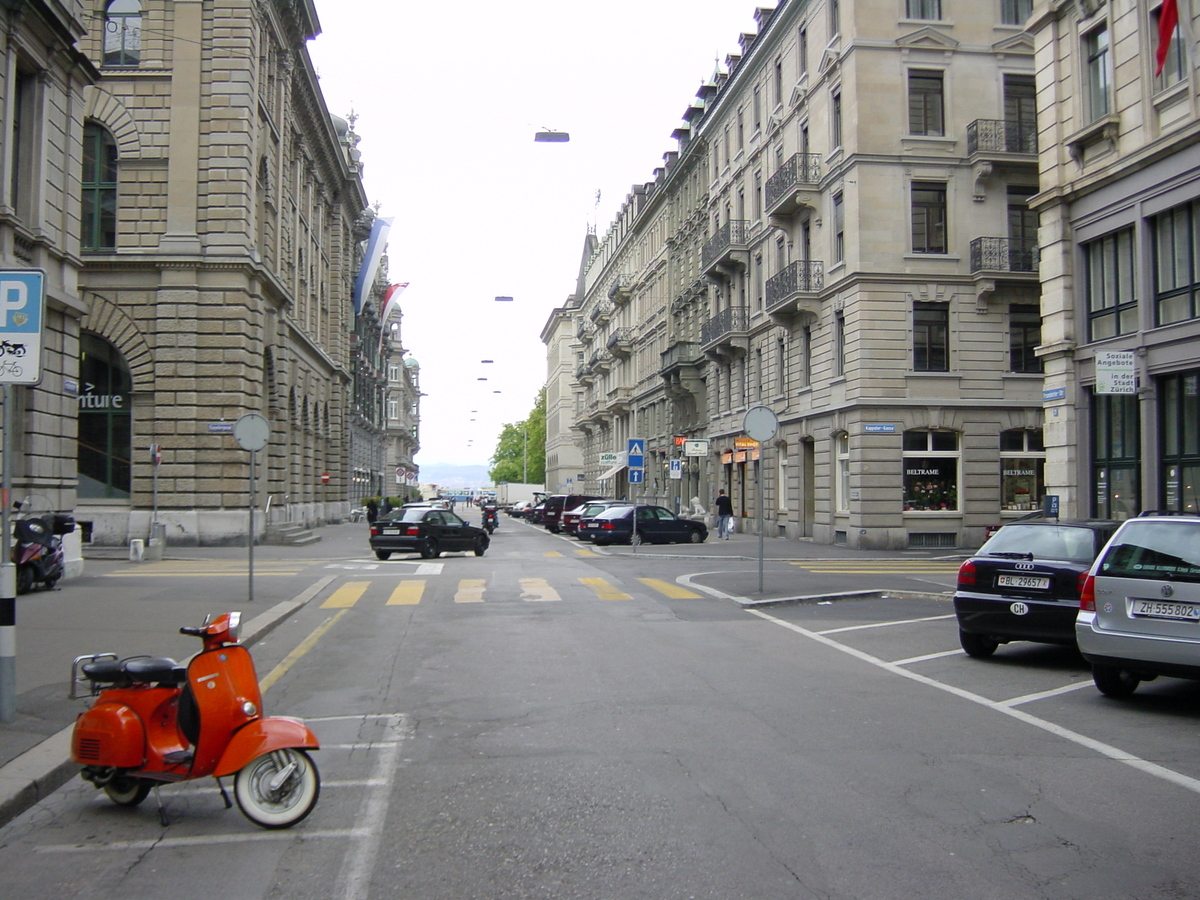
<point x="278" y="789"/>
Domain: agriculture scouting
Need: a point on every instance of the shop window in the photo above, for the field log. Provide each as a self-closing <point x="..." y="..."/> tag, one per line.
<point x="1179" y="424"/>
<point x="105" y="421"/>
<point x="1116" y="447"/>
<point x="931" y="464"/>
<point x="842" y="485"/>
<point x="123" y="33"/>
<point x="1022" y="469"/>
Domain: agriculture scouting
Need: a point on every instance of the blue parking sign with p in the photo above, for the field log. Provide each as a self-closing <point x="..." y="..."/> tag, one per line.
<point x="22" y="304"/>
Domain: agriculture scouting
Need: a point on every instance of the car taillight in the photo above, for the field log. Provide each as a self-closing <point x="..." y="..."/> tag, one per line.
<point x="413" y="529"/>
<point x="375" y="529"/>
<point x="1087" y="592"/>
<point x="966" y="574"/>
<point x="607" y="526"/>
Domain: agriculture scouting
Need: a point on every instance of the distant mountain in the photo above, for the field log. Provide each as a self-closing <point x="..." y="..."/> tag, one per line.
<point x="455" y="476"/>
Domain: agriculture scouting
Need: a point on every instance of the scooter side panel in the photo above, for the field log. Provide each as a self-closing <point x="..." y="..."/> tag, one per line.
<point x="263" y="736"/>
<point x="224" y="681"/>
<point x="108" y="734"/>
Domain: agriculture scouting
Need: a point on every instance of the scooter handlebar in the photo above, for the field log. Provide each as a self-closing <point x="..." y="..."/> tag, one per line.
<point x="195" y="632"/>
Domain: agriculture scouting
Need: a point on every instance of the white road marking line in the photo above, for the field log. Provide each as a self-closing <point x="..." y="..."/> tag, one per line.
<point x="883" y="624"/>
<point x="1029" y="698"/>
<point x="299" y="835"/>
<point x="1115" y="753"/>
<point x="927" y="656"/>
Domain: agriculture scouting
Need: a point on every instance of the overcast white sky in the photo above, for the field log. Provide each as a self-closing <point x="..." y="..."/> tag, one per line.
<point x="448" y="97"/>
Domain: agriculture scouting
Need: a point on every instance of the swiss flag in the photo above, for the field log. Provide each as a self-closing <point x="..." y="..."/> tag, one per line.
<point x="1168" y="20"/>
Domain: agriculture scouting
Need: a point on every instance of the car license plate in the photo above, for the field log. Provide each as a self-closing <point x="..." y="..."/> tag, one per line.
<point x="390" y="531"/>
<point x="1029" y="582"/>
<point x="1164" y="609"/>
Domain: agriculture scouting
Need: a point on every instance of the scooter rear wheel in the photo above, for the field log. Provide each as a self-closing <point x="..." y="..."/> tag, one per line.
<point x="127" y="791"/>
<point x="278" y="805"/>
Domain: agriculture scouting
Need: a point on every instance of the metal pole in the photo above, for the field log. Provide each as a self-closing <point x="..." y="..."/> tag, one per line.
<point x="8" y="579"/>
<point x="525" y="455"/>
<point x="761" y="546"/>
<point x="250" y="534"/>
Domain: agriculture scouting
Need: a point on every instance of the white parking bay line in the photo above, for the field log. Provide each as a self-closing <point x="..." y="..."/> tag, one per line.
<point x="884" y="624"/>
<point x="299" y="835"/>
<point x="1103" y="749"/>
<point x="1041" y="695"/>
<point x="927" y="656"/>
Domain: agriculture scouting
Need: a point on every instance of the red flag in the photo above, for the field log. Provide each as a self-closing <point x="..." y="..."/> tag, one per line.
<point x="1168" y="20"/>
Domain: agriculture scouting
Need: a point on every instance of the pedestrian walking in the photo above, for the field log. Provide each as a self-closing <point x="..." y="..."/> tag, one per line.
<point x="372" y="511"/>
<point x="724" y="507"/>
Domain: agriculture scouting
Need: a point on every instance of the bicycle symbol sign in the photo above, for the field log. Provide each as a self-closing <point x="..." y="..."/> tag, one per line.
<point x="22" y="304"/>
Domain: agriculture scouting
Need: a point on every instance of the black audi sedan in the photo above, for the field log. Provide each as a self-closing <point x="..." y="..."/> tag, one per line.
<point x="655" y="525"/>
<point x="425" y="530"/>
<point x="1023" y="584"/>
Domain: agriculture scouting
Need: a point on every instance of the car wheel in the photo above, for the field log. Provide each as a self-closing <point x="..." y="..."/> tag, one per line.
<point x="1113" y="681"/>
<point x="978" y="646"/>
<point x="698" y="537"/>
<point x="635" y="539"/>
<point x="481" y="545"/>
<point x="383" y="554"/>
<point x="430" y="549"/>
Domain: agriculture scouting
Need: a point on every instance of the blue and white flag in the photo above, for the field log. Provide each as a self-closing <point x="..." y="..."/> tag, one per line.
<point x="370" y="263"/>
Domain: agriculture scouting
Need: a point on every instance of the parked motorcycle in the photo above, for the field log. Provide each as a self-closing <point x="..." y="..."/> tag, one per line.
<point x="491" y="518"/>
<point x="38" y="550"/>
<point x="158" y="722"/>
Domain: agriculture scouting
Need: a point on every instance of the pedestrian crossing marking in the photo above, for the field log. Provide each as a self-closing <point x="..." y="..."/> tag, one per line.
<point x="347" y="595"/>
<point x="604" y="590"/>
<point x="538" y="589"/>
<point x="551" y="554"/>
<point x="470" y="590"/>
<point x="584" y="551"/>
<point x="407" y="593"/>
<point x="673" y="591"/>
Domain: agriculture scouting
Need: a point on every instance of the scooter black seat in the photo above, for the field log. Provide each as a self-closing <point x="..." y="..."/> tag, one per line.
<point x="136" y="670"/>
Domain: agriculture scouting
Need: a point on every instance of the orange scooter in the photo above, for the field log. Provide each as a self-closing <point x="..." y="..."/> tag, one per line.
<point x="158" y="722"/>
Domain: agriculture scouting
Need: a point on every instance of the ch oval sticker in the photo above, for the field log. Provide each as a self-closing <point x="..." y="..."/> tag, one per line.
<point x="1019" y="608"/>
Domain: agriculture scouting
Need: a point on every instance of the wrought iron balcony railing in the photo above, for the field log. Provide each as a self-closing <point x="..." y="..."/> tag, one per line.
<point x="730" y="321"/>
<point x="999" y="254"/>
<point x="1000" y="136"/>
<point x="801" y="276"/>
<point x="732" y="234"/>
<point x="801" y="169"/>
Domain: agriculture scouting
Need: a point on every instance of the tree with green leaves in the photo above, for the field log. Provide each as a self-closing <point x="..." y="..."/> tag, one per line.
<point x="520" y="454"/>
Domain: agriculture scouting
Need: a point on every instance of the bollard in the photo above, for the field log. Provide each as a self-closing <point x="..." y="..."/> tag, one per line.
<point x="154" y="550"/>
<point x="137" y="549"/>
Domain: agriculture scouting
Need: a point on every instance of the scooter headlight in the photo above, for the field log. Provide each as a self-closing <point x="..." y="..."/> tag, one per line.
<point x="235" y="627"/>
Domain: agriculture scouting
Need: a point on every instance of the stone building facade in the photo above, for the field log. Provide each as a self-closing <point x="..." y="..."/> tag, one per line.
<point x="844" y="236"/>
<point x="1120" y="220"/>
<point x="223" y="225"/>
<point x="43" y="78"/>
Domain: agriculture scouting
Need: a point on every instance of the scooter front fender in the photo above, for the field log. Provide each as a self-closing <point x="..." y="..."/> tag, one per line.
<point x="263" y="736"/>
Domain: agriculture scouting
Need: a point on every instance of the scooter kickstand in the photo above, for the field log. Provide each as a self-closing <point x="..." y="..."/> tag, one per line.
<point x="162" y="810"/>
<point x="224" y="796"/>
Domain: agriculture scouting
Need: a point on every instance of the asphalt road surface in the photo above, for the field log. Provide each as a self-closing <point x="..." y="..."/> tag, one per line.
<point x="538" y="723"/>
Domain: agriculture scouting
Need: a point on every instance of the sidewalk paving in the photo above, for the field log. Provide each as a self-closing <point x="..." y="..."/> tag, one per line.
<point x="34" y="749"/>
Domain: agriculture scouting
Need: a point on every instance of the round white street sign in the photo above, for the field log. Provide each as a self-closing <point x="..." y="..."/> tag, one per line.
<point x="760" y="423"/>
<point x="251" y="431"/>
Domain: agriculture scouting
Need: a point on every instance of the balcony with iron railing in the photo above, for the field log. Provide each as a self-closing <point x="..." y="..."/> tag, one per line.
<point x="729" y="246"/>
<point x="585" y="330"/>
<point x="795" y="289"/>
<point x="620" y="342"/>
<point x="794" y="185"/>
<point x="998" y="138"/>
<point x="620" y="399"/>
<point x="1005" y="257"/>
<point x="601" y="361"/>
<point x="621" y="289"/>
<point x="602" y="311"/>
<point x="727" y="329"/>
<point x="583" y="374"/>
<point x="681" y="354"/>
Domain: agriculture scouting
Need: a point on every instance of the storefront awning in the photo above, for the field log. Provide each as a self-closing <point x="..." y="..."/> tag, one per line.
<point x="611" y="472"/>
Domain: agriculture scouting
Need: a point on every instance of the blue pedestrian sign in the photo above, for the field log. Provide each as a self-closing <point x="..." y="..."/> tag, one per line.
<point x="637" y="476"/>
<point x="22" y="303"/>
<point x="636" y="457"/>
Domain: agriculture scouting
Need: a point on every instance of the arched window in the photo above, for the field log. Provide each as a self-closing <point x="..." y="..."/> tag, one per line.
<point x="105" y="420"/>
<point x="99" y="225"/>
<point x="123" y="33"/>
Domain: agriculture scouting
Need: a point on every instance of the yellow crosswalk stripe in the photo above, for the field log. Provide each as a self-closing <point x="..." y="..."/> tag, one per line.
<point x="604" y="590"/>
<point x="551" y="554"/>
<point x="407" y="593"/>
<point x="537" y="589"/>
<point x="583" y="551"/>
<point x="674" y="591"/>
<point x="470" y="590"/>
<point x="347" y="595"/>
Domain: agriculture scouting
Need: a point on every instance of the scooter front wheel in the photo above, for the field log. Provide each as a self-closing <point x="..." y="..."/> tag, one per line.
<point x="278" y="789"/>
<point x="127" y="791"/>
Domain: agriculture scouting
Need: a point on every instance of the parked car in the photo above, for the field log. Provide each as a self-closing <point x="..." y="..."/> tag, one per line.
<point x="518" y="509"/>
<point x="426" y="530"/>
<point x="1139" y="615"/>
<point x="655" y="525"/>
<point x="571" y="518"/>
<point x="533" y="514"/>
<point x="1024" y="583"/>
<point x="553" y="507"/>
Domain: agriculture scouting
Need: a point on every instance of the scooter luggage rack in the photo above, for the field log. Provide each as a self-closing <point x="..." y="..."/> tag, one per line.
<point x="80" y="682"/>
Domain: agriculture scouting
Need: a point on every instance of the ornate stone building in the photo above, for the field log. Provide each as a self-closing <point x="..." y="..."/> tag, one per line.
<point x="844" y="236"/>
<point x="43" y="77"/>
<point x="222" y="232"/>
<point x="1120" y="220"/>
